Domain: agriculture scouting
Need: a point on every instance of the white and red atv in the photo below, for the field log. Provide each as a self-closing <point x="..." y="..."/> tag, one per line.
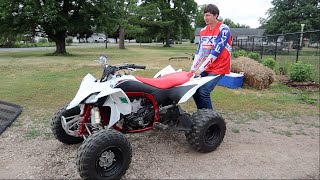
<point x="104" y="110"/>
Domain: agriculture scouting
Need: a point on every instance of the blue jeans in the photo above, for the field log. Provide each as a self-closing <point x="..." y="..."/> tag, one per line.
<point x="202" y="96"/>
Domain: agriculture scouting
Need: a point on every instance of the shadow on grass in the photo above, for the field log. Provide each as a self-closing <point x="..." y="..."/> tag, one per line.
<point x="60" y="54"/>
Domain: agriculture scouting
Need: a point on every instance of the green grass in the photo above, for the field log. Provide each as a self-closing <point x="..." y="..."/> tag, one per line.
<point x="42" y="83"/>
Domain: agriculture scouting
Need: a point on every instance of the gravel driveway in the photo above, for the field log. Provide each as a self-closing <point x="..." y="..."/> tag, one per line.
<point x="264" y="148"/>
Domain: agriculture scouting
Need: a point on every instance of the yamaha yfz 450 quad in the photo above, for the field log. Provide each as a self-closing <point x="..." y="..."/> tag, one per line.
<point x="104" y="110"/>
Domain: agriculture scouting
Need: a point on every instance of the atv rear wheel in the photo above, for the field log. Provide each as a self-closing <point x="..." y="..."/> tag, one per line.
<point x="57" y="129"/>
<point x="104" y="155"/>
<point x="208" y="130"/>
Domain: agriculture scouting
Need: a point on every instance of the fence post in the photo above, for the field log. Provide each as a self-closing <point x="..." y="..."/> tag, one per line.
<point x="318" y="45"/>
<point x="261" y="50"/>
<point x="276" y="49"/>
<point x="246" y="45"/>
<point x="252" y="44"/>
<point x="298" y="47"/>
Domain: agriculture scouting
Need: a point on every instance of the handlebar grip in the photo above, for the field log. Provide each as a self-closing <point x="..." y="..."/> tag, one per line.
<point x="138" y="67"/>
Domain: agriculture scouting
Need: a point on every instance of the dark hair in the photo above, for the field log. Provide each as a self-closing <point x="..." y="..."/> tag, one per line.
<point x="213" y="9"/>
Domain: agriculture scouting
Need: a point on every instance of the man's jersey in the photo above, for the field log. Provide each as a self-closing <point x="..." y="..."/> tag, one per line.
<point x="216" y="42"/>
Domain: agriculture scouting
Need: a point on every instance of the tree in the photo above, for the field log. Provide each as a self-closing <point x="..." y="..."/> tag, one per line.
<point x="172" y="16"/>
<point x="11" y="26"/>
<point x="287" y="15"/>
<point x="199" y="22"/>
<point x="55" y="17"/>
<point x="107" y="22"/>
<point x="232" y="24"/>
<point x="126" y="20"/>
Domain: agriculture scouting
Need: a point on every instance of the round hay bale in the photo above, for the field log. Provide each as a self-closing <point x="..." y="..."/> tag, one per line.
<point x="256" y="75"/>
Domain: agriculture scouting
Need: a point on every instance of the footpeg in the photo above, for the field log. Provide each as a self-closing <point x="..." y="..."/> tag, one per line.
<point x="184" y="123"/>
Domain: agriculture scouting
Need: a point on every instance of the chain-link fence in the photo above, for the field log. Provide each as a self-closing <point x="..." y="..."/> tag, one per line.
<point x="285" y="49"/>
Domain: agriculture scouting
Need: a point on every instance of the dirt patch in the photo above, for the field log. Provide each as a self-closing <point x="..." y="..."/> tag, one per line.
<point x="260" y="148"/>
<point x="306" y="86"/>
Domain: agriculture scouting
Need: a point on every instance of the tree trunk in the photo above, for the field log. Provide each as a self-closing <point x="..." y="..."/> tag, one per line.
<point x="60" y="39"/>
<point x="121" y="37"/>
<point x="106" y="41"/>
<point x="61" y="46"/>
<point x="167" y="38"/>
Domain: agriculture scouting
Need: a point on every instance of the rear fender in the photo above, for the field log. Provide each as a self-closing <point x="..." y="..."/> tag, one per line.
<point x="167" y="70"/>
<point x="195" y="81"/>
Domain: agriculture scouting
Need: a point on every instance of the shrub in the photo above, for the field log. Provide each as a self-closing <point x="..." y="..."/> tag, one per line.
<point x="254" y="55"/>
<point x="269" y="62"/>
<point x="144" y="40"/>
<point x="300" y="72"/>
<point x="69" y="40"/>
<point x="42" y="40"/>
<point x="239" y="53"/>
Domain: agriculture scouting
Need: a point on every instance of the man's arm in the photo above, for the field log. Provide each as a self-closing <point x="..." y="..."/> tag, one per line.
<point x="220" y="44"/>
<point x="197" y="58"/>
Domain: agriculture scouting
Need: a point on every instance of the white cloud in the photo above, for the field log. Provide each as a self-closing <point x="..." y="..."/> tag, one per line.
<point x="245" y="12"/>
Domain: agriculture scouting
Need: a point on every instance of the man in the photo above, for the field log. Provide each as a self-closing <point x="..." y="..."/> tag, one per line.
<point x="213" y="55"/>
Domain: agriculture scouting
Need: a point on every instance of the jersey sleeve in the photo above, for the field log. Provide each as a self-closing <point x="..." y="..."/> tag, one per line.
<point x="198" y="58"/>
<point x="220" y="44"/>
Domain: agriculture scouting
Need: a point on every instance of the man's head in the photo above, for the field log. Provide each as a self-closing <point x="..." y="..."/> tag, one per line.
<point x="210" y="13"/>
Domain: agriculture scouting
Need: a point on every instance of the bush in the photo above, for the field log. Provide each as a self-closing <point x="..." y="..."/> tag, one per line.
<point x="42" y="40"/>
<point x="239" y="53"/>
<point x="144" y="40"/>
<point x="254" y="55"/>
<point x="300" y="72"/>
<point x="69" y="40"/>
<point x="269" y="62"/>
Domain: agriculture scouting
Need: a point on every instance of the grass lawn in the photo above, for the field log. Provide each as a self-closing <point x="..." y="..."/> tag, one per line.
<point x="42" y="83"/>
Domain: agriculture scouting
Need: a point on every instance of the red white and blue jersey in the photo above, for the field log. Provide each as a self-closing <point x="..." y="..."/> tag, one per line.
<point x="217" y="42"/>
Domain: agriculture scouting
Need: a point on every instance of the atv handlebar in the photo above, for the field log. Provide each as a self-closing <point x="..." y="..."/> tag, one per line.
<point x="138" y="67"/>
<point x="133" y="66"/>
<point x="111" y="70"/>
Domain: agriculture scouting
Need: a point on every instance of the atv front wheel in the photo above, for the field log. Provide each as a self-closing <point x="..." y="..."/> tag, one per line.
<point x="208" y="130"/>
<point x="104" y="155"/>
<point x="57" y="129"/>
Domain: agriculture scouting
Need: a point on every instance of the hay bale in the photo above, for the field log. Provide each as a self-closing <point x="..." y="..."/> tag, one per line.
<point x="256" y="75"/>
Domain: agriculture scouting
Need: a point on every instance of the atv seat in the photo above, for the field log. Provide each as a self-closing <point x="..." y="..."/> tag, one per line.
<point x="167" y="81"/>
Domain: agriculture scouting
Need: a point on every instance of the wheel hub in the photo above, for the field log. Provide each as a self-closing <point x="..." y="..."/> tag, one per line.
<point x="106" y="159"/>
<point x="212" y="133"/>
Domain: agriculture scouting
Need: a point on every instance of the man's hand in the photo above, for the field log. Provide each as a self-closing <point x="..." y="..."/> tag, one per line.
<point x="197" y="73"/>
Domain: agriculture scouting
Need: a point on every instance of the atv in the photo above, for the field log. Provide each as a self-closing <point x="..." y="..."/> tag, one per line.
<point x="118" y="103"/>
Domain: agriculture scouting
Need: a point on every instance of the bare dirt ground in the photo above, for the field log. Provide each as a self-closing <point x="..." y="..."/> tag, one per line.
<point x="262" y="148"/>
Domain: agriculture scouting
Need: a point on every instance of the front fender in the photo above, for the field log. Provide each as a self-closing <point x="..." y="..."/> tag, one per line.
<point x="118" y="102"/>
<point x="86" y="88"/>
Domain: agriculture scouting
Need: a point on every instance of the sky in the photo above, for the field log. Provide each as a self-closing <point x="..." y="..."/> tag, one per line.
<point x="245" y="12"/>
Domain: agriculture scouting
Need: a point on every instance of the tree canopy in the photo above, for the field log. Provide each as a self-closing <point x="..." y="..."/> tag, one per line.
<point x="55" y="17"/>
<point x="170" y="17"/>
<point x="199" y="22"/>
<point x="287" y="16"/>
<point x="160" y="19"/>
